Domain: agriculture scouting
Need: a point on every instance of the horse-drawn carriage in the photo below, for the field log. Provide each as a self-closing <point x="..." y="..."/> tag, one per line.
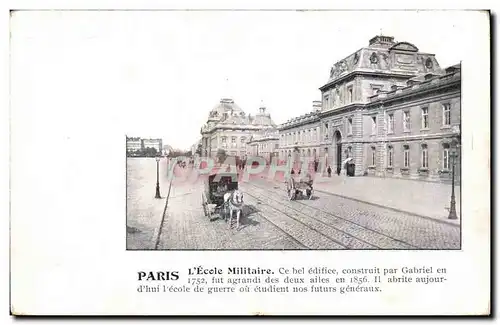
<point x="221" y="197"/>
<point x="297" y="184"/>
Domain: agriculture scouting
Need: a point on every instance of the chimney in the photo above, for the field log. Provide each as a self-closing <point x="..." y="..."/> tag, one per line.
<point x="316" y="105"/>
<point x="262" y="108"/>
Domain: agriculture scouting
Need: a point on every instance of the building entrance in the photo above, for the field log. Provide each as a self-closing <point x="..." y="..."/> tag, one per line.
<point x="338" y="144"/>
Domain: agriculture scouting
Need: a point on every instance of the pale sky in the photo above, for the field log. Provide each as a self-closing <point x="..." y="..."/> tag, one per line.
<point x="163" y="71"/>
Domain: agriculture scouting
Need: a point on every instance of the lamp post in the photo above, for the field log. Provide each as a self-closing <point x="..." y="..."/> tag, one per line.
<point x="453" y="210"/>
<point x="157" y="196"/>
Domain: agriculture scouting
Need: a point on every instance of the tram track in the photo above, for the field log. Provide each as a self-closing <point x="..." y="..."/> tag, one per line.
<point x="352" y="235"/>
<point x="320" y="239"/>
<point x="280" y="229"/>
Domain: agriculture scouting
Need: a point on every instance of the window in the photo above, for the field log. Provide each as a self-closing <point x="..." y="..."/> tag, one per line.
<point x="349" y="94"/>
<point x="243" y="141"/>
<point x="308" y="135"/>
<point x="233" y="142"/>
<point x="390" y="156"/>
<point x="349" y="152"/>
<point x="425" y="117"/>
<point x="406" y="157"/>
<point x="224" y="144"/>
<point x="446" y="156"/>
<point x="390" y="124"/>
<point x="446" y="114"/>
<point x="326" y="130"/>
<point x="406" y="121"/>
<point x="425" y="157"/>
<point x="374" y="124"/>
<point x="373" y="156"/>
<point x="327" y="102"/>
<point x="349" y="125"/>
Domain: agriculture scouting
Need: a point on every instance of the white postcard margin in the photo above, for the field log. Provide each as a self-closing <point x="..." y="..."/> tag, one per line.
<point x="73" y="262"/>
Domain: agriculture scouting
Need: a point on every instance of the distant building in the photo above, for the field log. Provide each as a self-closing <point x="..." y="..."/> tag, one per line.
<point x="134" y="144"/>
<point x="194" y="148"/>
<point x="301" y="133"/>
<point x="388" y="108"/>
<point x="264" y="143"/>
<point x="167" y="149"/>
<point x="157" y="144"/>
<point x="229" y="128"/>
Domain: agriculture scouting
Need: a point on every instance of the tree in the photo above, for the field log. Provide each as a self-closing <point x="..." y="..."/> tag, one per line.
<point x="198" y="150"/>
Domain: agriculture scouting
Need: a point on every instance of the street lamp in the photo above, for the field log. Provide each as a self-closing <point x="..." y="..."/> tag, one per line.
<point x="453" y="156"/>
<point x="157" y="196"/>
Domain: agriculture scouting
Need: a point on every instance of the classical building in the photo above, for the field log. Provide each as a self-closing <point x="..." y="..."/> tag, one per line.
<point x="410" y="131"/>
<point x="134" y="144"/>
<point x="301" y="134"/>
<point x="390" y="110"/>
<point x="264" y="143"/>
<point x="157" y="144"/>
<point x="229" y="128"/>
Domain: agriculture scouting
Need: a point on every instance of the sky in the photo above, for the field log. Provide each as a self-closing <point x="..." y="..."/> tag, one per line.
<point x="159" y="73"/>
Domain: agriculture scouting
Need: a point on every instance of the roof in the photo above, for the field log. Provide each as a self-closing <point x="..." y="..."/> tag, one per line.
<point x="383" y="55"/>
<point x="226" y="105"/>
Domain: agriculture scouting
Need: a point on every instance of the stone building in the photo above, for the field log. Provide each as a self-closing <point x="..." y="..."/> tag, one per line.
<point x="134" y="144"/>
<point x="264" y="143"/>
<point x="409" y="131"/>
<point x="301" y="133"/>
<point x="389" y="109"/>
<point x="157" y="144"/>
<point x="229" y="128"/>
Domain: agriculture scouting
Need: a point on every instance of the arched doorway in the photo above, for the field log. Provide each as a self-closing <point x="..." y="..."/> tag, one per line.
<point x="338" y="142"/>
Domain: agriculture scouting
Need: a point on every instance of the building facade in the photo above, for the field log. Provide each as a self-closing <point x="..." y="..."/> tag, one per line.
<point x="134" y="144"/>
<point x="229" y="128"/>
<point x="410" y="132"/>
<point x="301" y="134"/>
<point x="368" y="103"/>
<point x="264" y="143"/>
<point x="156" y="144"/>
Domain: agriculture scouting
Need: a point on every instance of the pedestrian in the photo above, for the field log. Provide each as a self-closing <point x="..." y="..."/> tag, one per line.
<point x="329" y="170"/>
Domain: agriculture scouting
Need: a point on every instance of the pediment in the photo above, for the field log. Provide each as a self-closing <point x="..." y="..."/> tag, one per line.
<point x="404" y="46"/>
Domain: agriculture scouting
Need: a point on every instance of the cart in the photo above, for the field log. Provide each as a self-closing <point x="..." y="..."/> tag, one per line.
<point x="296" y="185"/>
<point x="212" y="197"/>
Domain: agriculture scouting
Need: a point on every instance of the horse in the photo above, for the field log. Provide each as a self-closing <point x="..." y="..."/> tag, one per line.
<point x="233" y="202"/>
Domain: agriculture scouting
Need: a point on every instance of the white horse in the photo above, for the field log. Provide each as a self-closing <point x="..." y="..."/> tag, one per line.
<point x="233" y="202"/>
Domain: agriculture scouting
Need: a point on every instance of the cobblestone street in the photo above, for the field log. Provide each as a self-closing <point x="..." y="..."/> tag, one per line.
<point x="271" y="221"/>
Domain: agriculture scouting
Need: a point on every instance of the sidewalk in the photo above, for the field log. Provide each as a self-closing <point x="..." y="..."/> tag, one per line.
<point x="416" y="197"/>
<point x="144" y="211"/>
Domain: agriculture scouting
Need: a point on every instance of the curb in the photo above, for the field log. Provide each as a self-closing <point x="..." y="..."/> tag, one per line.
<point x="163" y="217"/>
<point x="391" y="208"/>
